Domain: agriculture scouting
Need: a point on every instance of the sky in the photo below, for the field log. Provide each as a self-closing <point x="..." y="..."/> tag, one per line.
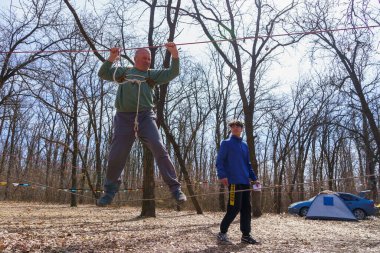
<point x="291" y="64"/>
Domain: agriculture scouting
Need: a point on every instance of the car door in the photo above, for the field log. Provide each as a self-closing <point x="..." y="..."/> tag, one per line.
<point x="350" y="200"/>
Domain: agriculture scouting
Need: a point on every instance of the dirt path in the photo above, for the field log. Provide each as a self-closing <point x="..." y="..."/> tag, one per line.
<point x="26" y="227"/>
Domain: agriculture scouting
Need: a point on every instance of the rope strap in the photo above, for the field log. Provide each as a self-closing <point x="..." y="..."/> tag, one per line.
<point x="133" y="81"/>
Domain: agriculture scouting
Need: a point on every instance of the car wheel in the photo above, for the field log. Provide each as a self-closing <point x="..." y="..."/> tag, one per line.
<point x="359" y="214"/>
<point x="304" y="211"/>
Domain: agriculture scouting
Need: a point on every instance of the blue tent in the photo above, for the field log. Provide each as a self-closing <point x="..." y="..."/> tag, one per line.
<point x="329" y="206"/>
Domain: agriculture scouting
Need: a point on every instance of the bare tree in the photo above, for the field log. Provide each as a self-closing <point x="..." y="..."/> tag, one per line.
<point x="224" y="20"/>
<point x="24" y="28"/>
<point x="187" y="111"/>
<point x="221" y="96"/>
<point x="350" y="50"/>
<point x="12" y="133"/>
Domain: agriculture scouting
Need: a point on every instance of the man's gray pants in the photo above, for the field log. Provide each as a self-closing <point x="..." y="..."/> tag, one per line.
<point x="123" y="139"/>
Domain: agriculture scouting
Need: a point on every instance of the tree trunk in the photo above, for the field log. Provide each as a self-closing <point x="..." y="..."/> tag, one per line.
<point x="256" y="195"/>
<point x="369" y="161"/>
<point x="74" y="162"/>
<point x="148" y="206"/>
<point x="11" y="160"/>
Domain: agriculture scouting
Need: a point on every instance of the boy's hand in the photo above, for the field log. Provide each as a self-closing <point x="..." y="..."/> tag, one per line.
<point x="224" y="181"/>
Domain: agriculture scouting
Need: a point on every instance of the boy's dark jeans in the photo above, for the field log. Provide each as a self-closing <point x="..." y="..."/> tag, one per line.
<point x="238" y="202"/>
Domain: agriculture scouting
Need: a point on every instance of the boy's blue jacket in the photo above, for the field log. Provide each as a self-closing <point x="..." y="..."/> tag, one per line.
<point x="233" y="161"/>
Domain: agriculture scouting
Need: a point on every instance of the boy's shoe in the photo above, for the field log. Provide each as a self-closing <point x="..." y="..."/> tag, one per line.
<point x="179" y="196"/>
<point x="223" y="238"/>
<point x="110" y="190"/>
<point x="248" y="239"/>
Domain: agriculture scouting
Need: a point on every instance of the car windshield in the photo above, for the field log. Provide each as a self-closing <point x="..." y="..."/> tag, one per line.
<point x="312" y="198"/>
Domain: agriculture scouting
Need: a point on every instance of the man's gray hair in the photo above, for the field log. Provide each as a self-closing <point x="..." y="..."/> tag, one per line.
<point x="140" y="50"/>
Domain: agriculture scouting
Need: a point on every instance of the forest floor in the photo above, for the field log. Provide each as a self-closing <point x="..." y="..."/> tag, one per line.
<point x="32" y="227"/>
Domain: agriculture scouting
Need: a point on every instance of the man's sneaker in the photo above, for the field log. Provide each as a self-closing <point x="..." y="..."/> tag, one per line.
<point x="248" y="239"/>
<point x="179" y="196"/>
<point x="223" y="238"/>
<point x="110" y="190"/>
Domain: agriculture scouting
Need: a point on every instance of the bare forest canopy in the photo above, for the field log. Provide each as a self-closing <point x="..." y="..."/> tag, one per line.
<point x="310" y="100"/>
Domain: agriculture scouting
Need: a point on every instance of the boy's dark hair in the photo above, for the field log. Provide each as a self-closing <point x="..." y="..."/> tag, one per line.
<point x="236" y="122"/>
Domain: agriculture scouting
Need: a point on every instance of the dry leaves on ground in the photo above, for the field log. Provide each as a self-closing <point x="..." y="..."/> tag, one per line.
<point x="26" y="227"/>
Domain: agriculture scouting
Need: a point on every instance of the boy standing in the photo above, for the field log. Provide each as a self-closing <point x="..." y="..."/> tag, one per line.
<point x="235" y="171"/>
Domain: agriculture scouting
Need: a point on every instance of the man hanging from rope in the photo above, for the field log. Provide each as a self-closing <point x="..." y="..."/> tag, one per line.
<point x="135" y="117"/>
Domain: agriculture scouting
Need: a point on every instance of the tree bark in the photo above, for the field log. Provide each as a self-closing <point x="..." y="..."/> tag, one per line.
<point x="148" y="204"/>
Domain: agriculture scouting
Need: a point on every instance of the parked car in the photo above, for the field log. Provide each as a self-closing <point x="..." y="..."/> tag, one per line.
<point x="360" y="207"/>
